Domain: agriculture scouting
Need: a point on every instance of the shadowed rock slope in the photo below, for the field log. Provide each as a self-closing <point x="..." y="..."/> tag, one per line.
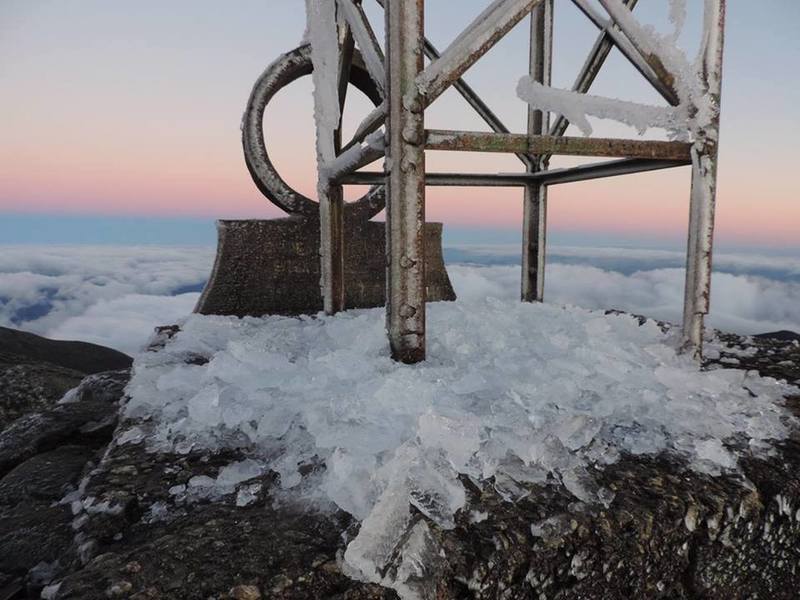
<point x="36" y="372"/>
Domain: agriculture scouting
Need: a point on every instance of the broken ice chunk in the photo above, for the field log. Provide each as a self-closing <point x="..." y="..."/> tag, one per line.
<point x="247" y="494"/>
<point x="434" y="489"/>
<point x="459" y="438"/>
<point x="204" y="406"/>
<point x="234" y="473"/>
<point x="576" y="431"/>
<point x="714" y="452"/>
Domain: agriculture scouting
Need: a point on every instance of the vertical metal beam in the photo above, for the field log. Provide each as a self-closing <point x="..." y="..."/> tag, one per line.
<point x="472" y="98"/>
<point x="534" y="221"/>
<point x="704" y="183"/>
<point x="331" y="196"/>
<point x="405" y="210"/>
<point x="331" y="209"/>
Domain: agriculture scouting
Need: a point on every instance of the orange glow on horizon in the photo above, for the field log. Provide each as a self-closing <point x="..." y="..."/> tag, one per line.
<point x="210" y="180"/>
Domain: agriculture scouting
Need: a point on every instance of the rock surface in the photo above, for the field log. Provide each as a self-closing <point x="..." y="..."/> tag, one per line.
<point x="142" y="530"/>
<point x="36" y="372"/>
<point x="79" y="356"/>
<point x="34" y="528"/>
<point x="29" y="387"/>
<point x="91" y="421"/>
<point x="48" y="448"/>
<point x="772" y="355"/>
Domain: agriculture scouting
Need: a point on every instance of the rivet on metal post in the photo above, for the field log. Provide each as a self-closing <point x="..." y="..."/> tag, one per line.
<point x="405" y="214"/>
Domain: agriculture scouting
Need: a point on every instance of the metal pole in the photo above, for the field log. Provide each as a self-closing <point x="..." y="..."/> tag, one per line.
<point x="546" y="145"/>
<point x="704" y="184"/>
<point x="331" y="209"/>
<point x="331" y="195"/>
<point x="405" y="210"/>
<point x="534" y="220"/>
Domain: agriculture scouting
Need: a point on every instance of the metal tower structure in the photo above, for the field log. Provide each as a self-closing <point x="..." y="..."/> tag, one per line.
<point x="406" y="86"/>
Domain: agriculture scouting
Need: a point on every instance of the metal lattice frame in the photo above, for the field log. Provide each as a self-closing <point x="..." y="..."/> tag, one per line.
<point x="409" y="87"/>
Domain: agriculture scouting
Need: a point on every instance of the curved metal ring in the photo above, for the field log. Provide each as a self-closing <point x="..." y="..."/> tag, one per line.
<point x="283" y="71"/>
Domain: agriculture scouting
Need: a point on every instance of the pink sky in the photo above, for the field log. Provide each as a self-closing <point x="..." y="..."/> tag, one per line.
<point x="143" y="120"/>
<point x="125" y="180"/>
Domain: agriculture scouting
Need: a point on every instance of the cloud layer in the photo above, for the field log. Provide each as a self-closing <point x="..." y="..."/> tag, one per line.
<point x="740" y="303"/>
<point x="115" y="295"/>
<point x="103" y="294"/>
<point x="632" y="260"/>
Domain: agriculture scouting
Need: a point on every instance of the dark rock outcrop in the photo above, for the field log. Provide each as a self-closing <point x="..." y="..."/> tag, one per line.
<point x="36" y="372"/>
<point x="669" y="533"/>
<point x="771" y="355"/>
<point x="34" y="527"/>
<point x="142" y="530"/>
<point x="781" y="336"/>
<point x="162" y="545"/>
<point x="78" y="356"/>
<point x="30" y="387"/>
<point x="44" y="455"/>
<point x="92" y="422"/>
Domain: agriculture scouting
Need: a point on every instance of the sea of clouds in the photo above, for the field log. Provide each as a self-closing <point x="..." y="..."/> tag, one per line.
<point x="116" y="295"/>
<point x="110" y="295"/>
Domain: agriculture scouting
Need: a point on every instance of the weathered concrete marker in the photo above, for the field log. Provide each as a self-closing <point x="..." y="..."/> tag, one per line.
<point x="272" y="266"/>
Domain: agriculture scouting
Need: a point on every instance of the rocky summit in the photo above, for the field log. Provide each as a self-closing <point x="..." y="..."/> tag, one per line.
<point x="87" y="511"/>
<point x="36" y="372"/>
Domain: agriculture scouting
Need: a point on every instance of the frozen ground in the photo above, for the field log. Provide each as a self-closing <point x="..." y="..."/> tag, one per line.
<point x="518" y="392"/>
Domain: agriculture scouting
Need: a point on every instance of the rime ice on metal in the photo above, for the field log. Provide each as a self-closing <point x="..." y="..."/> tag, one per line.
<point x="577" y="107"/>
<point x="691" y="88"/>
<point x="323" y="36"/>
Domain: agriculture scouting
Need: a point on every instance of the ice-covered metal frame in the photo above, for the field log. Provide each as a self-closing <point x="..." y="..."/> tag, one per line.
<point x="408" y="86"/>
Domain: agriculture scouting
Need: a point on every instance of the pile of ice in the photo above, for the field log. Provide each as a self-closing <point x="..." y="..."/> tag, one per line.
<point x="510" y="392"/>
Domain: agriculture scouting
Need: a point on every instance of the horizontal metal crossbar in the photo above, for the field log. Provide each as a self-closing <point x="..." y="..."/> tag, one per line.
<point x="588" y="172"/>
<point x="479" y="141"/>
<point x="476" y="102"/>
